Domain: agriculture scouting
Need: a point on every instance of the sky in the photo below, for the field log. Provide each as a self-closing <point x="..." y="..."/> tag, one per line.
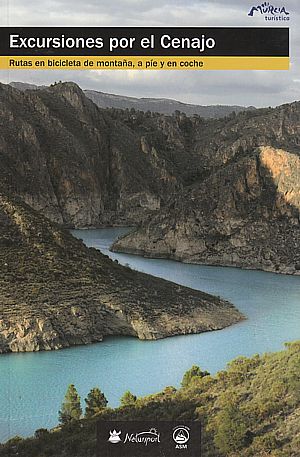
<point x="258" y="88"/>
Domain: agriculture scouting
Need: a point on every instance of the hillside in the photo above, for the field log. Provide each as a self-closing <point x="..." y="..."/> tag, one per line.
<point x="55" y="292"/>
<point x="251" y="409"/>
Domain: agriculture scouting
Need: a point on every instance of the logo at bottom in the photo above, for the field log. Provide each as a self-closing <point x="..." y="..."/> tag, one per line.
<point x="148" y="438"/>
<point x="181" y="435"/>
<point x="114" y="437"/>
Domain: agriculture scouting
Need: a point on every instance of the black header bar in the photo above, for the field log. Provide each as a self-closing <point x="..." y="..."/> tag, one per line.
<point x="143" y="41"/>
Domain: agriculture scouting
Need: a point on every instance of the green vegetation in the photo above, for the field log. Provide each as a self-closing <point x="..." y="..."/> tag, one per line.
<point x="71" y="408"/>
<point x="232" y="428"/>
<point x="128" y="399"/>
<point x="95" y="402"/>
<point x="190" y="375"/>
<point x="251" y="409"/>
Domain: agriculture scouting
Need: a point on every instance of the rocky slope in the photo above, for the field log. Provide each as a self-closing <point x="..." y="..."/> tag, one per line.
<point x="245" y="211"/>
<point x="55" y="292"/>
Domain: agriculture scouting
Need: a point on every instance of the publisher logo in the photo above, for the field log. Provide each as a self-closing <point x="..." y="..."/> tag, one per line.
<point x="145" y="438"/>
<point x="148" y="438"/>
<point x="181" y="435"/>
<point x="114" y="437"/>
<point x="270" y="12"/>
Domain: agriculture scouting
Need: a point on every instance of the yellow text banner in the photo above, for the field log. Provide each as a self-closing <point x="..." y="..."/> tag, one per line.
<point x="143" y="63"/>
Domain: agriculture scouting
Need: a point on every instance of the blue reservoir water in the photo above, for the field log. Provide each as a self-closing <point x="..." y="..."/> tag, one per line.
<point x="32" y="385"/>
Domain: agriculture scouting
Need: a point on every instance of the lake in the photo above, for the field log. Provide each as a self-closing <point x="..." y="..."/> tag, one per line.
<point x="32" y="385"/>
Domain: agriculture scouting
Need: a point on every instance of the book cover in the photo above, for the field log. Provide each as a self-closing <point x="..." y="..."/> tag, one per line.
<point x="149" y="229"/>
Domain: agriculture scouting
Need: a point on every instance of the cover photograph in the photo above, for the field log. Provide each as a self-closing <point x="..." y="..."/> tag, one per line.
<point x="149" y="228"/>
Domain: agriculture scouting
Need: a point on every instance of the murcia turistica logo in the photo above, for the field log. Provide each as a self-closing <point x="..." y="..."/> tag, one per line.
<point x="270" y="12"/>
<point x="181" y="436"/>
<point x="114" y="437"/>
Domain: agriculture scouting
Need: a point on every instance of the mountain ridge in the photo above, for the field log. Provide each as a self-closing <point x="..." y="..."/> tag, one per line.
<point x="245" y="210"/>
<point x="160" y="105"/>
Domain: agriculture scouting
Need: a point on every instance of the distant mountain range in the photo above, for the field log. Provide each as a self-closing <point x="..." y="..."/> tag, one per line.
<point x="162" y="105"/>
<point x="157" y="105"/>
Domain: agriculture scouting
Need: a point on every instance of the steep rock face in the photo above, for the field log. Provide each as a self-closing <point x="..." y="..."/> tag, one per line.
<point x="245" y="214"/>
<point x="84" y="166"/>
<point x="55" y="292"/>
<point x="73" y="162"/>
<point x="195" y="147"/>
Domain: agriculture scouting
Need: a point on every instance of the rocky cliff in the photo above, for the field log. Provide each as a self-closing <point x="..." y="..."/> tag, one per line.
<point x="55" y="292"/>
<point x="217" y="191"/>
<point x="74" y="162"/>
<point x="83" y="166"/>
<point x="244" y="211"/>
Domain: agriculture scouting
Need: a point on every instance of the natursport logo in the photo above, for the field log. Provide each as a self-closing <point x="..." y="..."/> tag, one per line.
<point x="148" y="437"/>
<point x="270" y="12"/>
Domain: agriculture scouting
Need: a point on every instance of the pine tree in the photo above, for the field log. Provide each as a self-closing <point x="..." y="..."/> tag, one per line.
<point x="195" y="371"/>
<point x="128" y="399"/>
<point x="95" y="402"/>
<point x="70" y="408"/>
<point x="232" y="428"/>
